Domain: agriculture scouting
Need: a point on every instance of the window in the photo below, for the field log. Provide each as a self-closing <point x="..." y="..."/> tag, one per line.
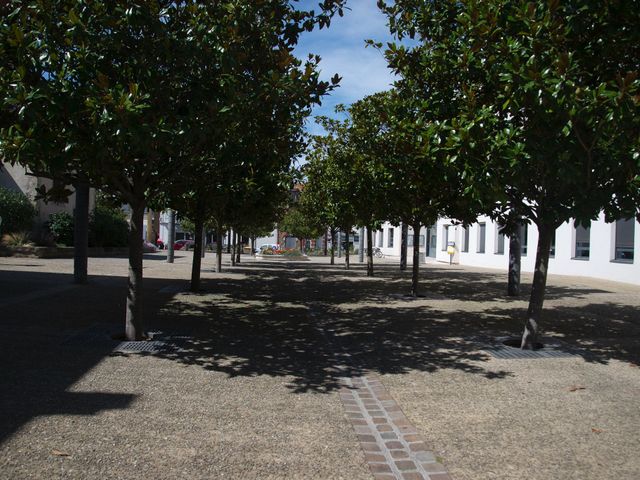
<point x="524" y="238"/>
<point x="410" y="240"/>
<point x="380" y="238"/>
<point x="582" y="235"/>
<point x="624" y="240"/>
<point x="552" y="248"/>
<point x="499" y="241"/>
<point x="465" y="239"/>
<point x="482" y="231"/>
<point x="445" y="237"/>
<point x="390" y="238"/>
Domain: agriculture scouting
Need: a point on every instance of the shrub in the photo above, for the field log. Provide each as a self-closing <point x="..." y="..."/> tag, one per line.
<point x="108" y="227"/>
<point x="16" y="239"/>
<point x="16" y="211"/>
<point x="61" y="227"/>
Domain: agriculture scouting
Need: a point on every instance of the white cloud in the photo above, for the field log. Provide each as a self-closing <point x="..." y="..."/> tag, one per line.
<point x="342" y="49"/>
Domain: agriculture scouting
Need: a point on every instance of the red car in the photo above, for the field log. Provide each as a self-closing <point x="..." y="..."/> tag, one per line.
<point x="183" y="244"/>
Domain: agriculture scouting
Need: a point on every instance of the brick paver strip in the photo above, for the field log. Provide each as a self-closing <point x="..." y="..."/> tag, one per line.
<point x="392" y="446"/>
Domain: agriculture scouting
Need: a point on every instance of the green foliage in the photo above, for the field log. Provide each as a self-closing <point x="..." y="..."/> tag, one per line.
<point x="187" y="225"/>
<point x="61" y="227"/>
<point x="292" y="252"/>
<point x="296" y="223"/>
<point x="108" y="227"/>
<point x="16" y="211"/>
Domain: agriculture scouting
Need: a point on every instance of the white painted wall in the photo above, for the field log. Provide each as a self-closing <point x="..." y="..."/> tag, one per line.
<point x="599" y="265"/>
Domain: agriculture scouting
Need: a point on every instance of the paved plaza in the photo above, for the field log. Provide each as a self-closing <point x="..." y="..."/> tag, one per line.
<point x="302" y="370"/>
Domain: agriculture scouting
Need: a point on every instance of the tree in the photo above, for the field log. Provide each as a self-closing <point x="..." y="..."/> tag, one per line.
<point x="124" y="93"/>
<point x="327" y="196"/>
<point x="299" y="225"/>
<point x="550" y="89"/>
<point x="367" y="140"/>
<point x="423" y="183"/>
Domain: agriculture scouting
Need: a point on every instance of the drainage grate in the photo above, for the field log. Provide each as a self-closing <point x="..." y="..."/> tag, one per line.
<point x="149" y="346"/>
<point x="516" y="353"/>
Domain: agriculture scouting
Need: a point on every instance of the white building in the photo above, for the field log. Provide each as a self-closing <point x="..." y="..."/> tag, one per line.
<point x="608" y="251"/>
<point x="16" y="177"/>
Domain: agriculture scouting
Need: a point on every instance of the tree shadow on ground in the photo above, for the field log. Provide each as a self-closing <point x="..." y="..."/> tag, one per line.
<point x="311" y="324"/>
<point x="315" y="324"/>
<point x="43" y="348"/>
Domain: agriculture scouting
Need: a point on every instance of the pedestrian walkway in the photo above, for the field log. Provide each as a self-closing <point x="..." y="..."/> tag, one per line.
<point x="393" y="447"/>
<point x="305" y="370"/>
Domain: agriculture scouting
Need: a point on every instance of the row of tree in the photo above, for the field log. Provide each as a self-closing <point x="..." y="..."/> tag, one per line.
<point x="523" y="111"/>
<point x="197" y="106"/>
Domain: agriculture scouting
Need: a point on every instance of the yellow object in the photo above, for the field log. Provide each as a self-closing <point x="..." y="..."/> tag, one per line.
<point x="451" y="250"/>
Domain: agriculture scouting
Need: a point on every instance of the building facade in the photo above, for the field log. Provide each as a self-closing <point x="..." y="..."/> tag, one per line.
<point x="609" y="251"/>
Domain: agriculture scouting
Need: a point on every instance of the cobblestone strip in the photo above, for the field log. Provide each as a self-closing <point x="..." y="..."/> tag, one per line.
<point x="392" y="447"/>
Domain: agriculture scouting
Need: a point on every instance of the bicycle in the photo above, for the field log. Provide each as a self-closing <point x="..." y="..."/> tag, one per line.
<point x="377" y="252"/>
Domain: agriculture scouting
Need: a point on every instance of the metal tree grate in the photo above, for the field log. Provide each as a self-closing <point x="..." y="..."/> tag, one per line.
<point x="505" y="352"/>
<point x="149" y="346"/>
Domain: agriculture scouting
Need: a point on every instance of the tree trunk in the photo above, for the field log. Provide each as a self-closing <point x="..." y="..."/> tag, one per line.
<point x="339" y="234"/>
<point x="515" y="256"/>
<point x="346" y="251"/>
<point x="531" y="327"/>
<point x="253" y="246"/>
<point x="81" y="233"/>
<point x="239" y="245"/>
<point x="229" y="240"/>
<point x="233" y="249"/>
<point x="134" y="320"/>
<point x="172" y="236"/>
<point x="361" y="246"/>
<point x="326" y="240"/>
<point x="416" y="260"/>
<point x="404" y="234"/>
<point x="197" y="255"/>
<point x="219" y="237"/>
<point x="369" y="252"/>
<point x="204" y="241"/>
<point x="333" y="246"/>
<point x="149" y="231"/>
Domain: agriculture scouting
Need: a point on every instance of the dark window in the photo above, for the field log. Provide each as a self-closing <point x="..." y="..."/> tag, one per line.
<point x="445" y="237"/>
<point x="624" y="240"/>
<point x="499" y="241"/>
<point x="482" y="233"/>
<point x="582" y="242"/>
<point x="390" y="238"/>
<point x="524" y="237"/>
<point x="465" y="239"/>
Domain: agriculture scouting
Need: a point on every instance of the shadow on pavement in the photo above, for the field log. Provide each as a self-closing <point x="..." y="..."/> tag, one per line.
<point x="308" y="322"/>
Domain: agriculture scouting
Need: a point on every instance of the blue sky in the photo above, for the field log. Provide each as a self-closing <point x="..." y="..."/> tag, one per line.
<point x="363" y="70"/>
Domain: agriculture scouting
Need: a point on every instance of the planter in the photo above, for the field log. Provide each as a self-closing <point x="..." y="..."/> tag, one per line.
<point x="60" y="252"/>
<point x="285" y="258"/>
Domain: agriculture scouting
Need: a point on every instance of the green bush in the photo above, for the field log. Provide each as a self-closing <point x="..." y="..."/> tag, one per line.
<point x="61" y="227"/>
<point x="16" y="211"/>
<point x="108" y="227"/>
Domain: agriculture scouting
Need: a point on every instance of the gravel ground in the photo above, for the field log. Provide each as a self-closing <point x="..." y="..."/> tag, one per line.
<point x="252" y="390"/>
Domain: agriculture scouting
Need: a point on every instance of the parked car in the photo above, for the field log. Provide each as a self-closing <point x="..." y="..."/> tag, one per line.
<point x="183" y="244"/>
<point x="148" y="247"/>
